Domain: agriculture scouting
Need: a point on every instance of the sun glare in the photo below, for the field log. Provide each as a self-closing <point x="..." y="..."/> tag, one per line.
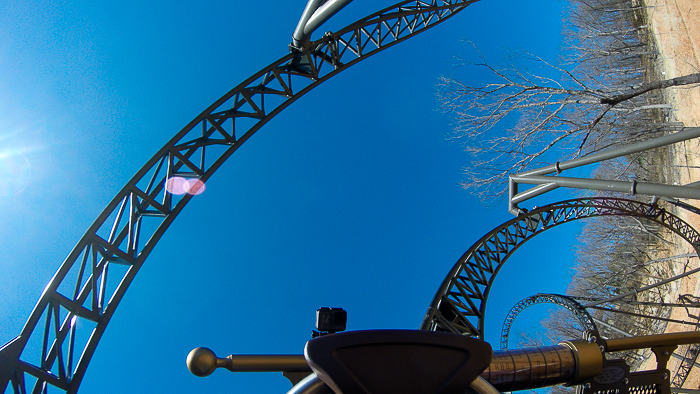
<point x="14" y="172"/>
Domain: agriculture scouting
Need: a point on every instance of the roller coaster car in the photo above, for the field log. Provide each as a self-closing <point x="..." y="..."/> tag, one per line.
<point x="407" y="362"/>
<point x="402" y="361"/>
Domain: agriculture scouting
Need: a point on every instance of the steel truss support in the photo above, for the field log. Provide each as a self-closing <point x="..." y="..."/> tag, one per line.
<point x="122" y="237"/>
<point x="460" y="303"/>
<point x="580" y="313"/>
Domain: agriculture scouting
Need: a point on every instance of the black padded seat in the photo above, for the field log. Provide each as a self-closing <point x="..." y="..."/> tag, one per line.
<point x="397" y="361"/>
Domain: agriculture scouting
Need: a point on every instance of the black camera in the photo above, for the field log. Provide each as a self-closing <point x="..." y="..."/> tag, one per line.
<point x="330" y="320"/>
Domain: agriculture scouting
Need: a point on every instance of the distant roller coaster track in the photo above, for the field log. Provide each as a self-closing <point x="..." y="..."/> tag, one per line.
<point x="579" y="312"/>
<point x="128" y="229"/>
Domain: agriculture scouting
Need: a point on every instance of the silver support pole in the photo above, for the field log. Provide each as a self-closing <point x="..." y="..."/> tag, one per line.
<point x="311" y="7"/>
<point x="533" y="192"/>
<point x="316" y="13"/>
<point x="683" y="135"/>
<point x="610" y="326"/>
<point x="324" y="13"/>
<point x="310" y="385"/>
<point x="631" y="187"/>
<point x="549" y="183"/>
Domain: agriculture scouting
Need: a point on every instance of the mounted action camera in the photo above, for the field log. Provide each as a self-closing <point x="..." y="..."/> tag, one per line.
<point x="330" y="321"/>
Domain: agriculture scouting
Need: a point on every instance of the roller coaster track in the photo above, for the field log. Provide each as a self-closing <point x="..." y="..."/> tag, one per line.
<point x="580" y="313"/>
<point x="459" y="305"/>
<point x="131" y="225"/>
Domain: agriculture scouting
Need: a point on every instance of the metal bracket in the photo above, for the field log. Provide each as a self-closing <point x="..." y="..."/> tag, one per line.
<point x="617" y="378"/>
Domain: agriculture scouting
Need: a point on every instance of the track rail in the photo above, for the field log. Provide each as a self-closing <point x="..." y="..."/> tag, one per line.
<point x="131" y="225"/>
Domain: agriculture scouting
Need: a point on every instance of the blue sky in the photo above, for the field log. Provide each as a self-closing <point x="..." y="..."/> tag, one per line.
<point x="349" y="198"/>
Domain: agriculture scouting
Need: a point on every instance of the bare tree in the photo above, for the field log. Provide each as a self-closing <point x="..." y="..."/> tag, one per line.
<point x="604" y="92"/>
<point x="571" y="113"/>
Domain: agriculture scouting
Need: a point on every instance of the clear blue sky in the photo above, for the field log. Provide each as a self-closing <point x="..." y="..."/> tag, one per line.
<point x="349" y="198"/>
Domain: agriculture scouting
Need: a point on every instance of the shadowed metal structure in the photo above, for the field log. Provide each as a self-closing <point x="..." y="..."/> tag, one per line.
<point x="93" y="279"/>
<point x="580" y="313"/>
<point x="687" y="354"/>
<point x="459" y="306"/>
<point x="418" y="362"/>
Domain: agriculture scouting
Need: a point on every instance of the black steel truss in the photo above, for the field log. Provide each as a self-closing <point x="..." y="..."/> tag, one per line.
<point x="688" y="361"/>
<point x="133" y="222"/>
<point x="459" y="305"/>
<point x="579" y="312"/>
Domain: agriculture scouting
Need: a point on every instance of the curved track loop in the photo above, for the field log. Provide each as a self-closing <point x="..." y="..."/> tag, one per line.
<point x="82" y="293"/>
<point x="580" y="313"/>
<point x="459" y="305"/>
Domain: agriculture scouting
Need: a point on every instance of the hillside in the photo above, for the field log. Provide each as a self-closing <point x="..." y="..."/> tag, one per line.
<point x="674" y="25"/>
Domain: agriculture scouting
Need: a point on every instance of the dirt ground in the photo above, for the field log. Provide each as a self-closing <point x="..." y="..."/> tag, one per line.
<point x="676" y="28"/>
<point x="675" y="25"/>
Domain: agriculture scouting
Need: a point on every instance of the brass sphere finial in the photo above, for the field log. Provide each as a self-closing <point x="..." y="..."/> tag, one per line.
<point x="201" y="361"/>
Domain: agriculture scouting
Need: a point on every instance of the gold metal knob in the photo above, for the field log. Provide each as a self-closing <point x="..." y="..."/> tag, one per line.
<point x="201" y="361"/>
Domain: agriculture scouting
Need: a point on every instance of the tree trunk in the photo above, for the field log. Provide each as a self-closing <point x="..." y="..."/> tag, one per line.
<point x="648" y="87"/>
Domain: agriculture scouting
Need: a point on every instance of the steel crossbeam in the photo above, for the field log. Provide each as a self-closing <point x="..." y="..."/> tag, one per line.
<point x="460" y="303"/>
<point x="134" y="221"/>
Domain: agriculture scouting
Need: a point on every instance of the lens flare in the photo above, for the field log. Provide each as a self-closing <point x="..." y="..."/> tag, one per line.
<point x="179" y="186"/>
<point x="195" y="187"/>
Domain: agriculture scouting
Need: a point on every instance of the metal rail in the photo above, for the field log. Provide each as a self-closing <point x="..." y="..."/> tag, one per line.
<point x="131" y="225"/>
